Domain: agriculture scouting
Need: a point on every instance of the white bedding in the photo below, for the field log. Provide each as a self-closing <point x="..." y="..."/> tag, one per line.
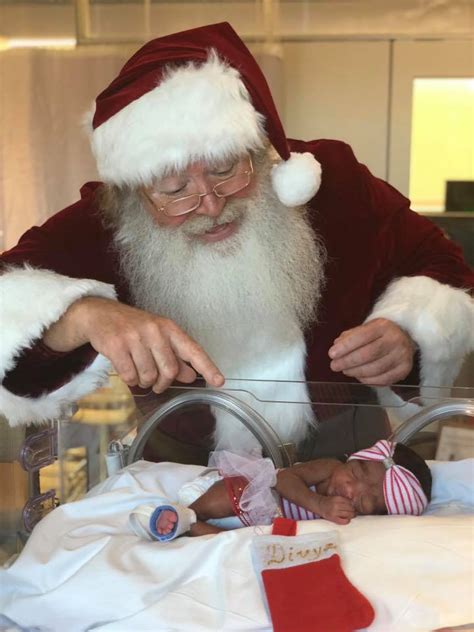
<point x="83" y="568"/>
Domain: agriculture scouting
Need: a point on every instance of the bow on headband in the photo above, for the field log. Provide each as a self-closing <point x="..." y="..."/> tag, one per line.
<point x="401" y="489"/>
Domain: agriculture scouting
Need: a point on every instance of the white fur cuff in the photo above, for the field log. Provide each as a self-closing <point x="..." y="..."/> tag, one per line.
<point x="30" y="301"/>
<point x="438" y="317"/>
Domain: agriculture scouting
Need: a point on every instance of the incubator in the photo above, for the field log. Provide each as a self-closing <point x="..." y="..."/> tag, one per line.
<point x="42" y="466"/>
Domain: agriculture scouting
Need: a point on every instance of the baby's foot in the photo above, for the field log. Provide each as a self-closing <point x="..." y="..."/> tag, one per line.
<point x="166" y="521"/>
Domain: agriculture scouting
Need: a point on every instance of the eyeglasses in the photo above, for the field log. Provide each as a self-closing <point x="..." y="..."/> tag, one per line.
<point x="190" y="203"/>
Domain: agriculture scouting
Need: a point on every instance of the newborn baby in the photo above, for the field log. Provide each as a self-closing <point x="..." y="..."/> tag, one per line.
<point x="386" y="478"/>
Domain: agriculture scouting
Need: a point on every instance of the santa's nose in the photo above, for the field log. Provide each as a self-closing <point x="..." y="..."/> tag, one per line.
<point x="211" y="205"/>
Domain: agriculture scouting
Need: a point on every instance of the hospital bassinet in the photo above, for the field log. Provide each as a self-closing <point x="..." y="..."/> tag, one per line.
<point x="43" y="465"/>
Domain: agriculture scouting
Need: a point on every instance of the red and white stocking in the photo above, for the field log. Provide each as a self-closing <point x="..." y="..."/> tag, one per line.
<point x="305" y="587"/>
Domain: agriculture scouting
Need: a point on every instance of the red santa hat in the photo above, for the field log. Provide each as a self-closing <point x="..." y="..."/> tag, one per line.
<point x="194" y="95"/>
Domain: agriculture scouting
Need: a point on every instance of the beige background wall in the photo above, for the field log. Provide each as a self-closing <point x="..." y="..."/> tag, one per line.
<point x="294" y="18"/>
<point x="340" y="90"/>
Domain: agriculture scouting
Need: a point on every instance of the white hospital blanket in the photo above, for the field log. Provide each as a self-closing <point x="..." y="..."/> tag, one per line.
<point x="83" y="569"/>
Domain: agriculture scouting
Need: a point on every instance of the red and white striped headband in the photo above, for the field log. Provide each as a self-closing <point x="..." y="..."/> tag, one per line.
<point x="401" y="489"/>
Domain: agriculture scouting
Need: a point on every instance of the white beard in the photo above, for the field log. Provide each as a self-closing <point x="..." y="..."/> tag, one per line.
<point x="246" y="299"/>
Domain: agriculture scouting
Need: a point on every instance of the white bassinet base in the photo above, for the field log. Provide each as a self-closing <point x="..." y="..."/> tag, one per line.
<point x="84" y="569"/>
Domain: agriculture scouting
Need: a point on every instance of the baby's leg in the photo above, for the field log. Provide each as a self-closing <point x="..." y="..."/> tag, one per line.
<point x="214" y="503"/>
<point x="167" y="520"/>
<point x="203" y="528"/>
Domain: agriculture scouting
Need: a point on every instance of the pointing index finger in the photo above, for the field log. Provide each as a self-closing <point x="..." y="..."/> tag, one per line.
<point x="189" y="351"/>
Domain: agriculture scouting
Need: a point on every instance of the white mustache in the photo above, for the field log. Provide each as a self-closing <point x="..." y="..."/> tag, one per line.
<point x="199" y="225"/>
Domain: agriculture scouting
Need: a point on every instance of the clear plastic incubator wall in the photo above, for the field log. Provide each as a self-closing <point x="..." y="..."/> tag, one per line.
<point x="44" y="465"/>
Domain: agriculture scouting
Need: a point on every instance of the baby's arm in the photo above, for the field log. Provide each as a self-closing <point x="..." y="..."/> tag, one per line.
<point x="293" y="484"/>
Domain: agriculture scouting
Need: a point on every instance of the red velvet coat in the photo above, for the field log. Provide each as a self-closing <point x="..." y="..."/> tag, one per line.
<point x="370" y="233"/>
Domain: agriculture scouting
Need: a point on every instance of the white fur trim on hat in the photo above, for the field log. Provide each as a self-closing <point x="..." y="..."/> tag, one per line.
<point x="196" y="113"/>
<point x="438" y="317"/>
<point x="30" y="301"/>
<point x="297" y="180"/>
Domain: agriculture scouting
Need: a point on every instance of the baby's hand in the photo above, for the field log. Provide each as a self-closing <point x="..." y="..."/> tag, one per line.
<point x="337" y="509"/>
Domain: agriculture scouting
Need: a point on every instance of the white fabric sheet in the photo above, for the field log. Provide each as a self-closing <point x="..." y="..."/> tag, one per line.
<point x="83" y="569"/>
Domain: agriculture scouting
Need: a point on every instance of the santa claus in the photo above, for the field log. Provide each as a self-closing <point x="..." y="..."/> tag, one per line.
<point x="214" y="245"/>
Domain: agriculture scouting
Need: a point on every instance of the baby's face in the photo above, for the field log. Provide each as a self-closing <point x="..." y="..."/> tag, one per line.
<point x="362" y="483"/>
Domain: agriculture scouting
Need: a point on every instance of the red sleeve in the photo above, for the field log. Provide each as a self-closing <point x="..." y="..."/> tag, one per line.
<point x="372" y="238"/>
<point x="41" y="370"/>
<point x="404" y="242"/>
<point x="72" y="242"/>
<point x="410" y="244"/>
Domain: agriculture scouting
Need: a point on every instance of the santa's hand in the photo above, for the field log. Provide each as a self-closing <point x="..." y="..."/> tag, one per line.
<point x="337" y="509"/>
<point x="144" y="349"/>
<point x="378" y="352"/>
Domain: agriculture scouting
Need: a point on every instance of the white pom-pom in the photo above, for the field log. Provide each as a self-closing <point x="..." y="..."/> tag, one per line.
<point x="296" y="180"/>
